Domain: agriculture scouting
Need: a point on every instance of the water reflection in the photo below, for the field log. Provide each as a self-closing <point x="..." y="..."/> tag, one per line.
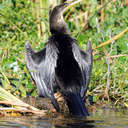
<point x="42" y="123"/>
<point x="84" y="124"/>
<point x="103" y="118"/>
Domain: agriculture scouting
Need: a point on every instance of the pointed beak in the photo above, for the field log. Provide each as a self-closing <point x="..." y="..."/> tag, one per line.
<point x="70" y="5"/>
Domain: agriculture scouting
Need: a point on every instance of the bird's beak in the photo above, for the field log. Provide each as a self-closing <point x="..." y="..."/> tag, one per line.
<point x="70" y="5"/>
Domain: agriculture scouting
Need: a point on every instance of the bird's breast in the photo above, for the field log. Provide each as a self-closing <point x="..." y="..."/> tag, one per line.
<point x="67" y="70"/>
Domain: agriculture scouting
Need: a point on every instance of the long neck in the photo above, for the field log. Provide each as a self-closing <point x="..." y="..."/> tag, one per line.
<point x="58" y="25"/>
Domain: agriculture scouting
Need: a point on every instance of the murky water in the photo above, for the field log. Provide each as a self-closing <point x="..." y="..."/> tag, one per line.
<point x="102" y="118"/>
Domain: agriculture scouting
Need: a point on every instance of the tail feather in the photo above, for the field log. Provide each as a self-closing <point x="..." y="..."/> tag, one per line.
<point x="76" y="105"/>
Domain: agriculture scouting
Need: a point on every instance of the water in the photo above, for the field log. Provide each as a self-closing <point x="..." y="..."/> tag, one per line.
<point x="102" y="118"/>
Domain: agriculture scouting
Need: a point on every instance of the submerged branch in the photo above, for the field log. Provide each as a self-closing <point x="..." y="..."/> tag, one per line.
<point x="17" y="105"/>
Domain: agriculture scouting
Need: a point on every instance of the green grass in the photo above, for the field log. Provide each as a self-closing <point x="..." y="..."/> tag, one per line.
<point x="20" y="24"/>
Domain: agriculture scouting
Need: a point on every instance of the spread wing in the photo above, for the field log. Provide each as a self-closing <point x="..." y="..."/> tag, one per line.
<point x="41" y="66"/>
<point x="84" y="59"/>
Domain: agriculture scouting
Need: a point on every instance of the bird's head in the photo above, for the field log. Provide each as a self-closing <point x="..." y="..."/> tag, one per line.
<point x="57" y="23"/>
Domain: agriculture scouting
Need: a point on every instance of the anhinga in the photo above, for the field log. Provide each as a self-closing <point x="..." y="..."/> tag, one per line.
<point x="61" y="64"/>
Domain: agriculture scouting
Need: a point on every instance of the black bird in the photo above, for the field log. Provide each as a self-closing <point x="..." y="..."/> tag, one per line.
<point x="61" y="64"/>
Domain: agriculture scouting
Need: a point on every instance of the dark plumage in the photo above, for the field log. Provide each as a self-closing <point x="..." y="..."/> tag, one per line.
<point x="61" y="64"/>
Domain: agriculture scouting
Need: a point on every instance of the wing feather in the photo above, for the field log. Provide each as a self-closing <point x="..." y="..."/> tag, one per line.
<point x="41" y="66"/>
<point x="84" y="59"/>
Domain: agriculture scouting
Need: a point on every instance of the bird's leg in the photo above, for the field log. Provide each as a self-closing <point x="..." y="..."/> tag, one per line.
<point x="55" y="103"/>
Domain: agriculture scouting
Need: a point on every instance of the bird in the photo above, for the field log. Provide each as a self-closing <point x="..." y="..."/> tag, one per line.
<point x="61" y="64"/>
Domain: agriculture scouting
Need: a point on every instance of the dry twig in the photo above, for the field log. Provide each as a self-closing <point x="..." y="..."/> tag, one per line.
<point x="113" y="38"/>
